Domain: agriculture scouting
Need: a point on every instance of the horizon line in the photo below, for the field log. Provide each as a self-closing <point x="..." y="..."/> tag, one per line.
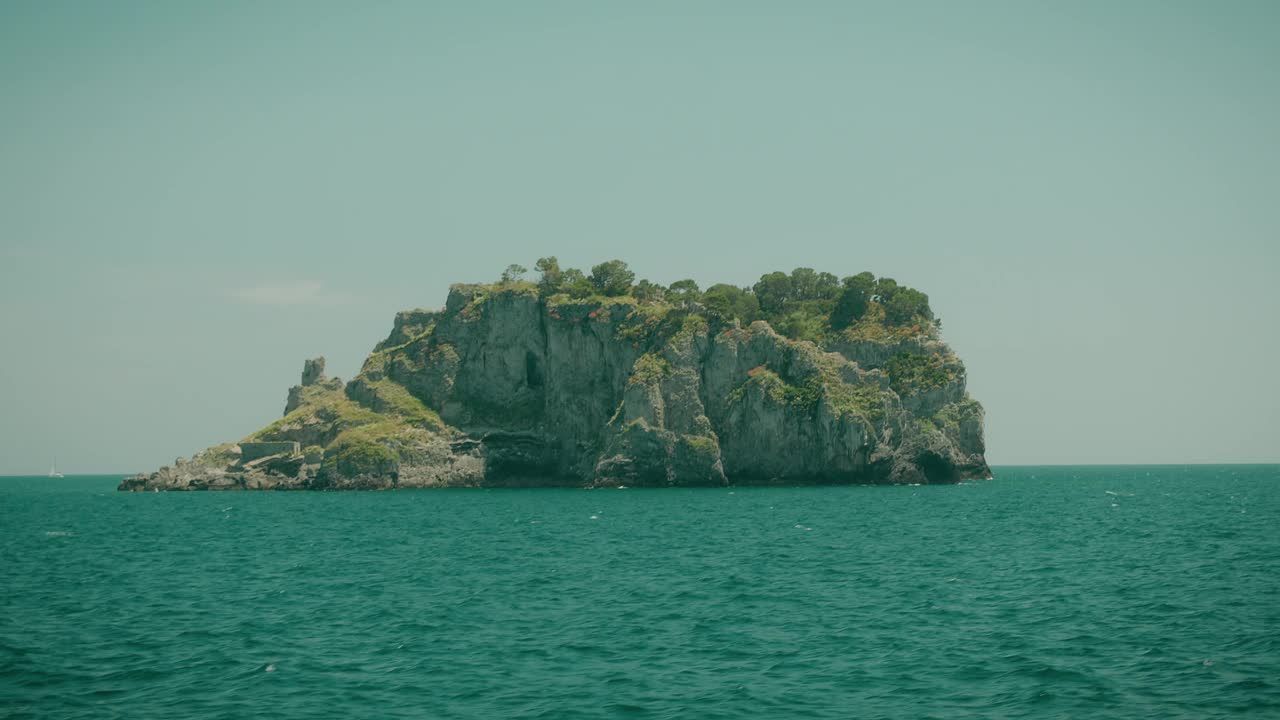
<point x="993" y="467"/>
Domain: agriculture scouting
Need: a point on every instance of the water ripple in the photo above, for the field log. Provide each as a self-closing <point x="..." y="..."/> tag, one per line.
<point x="1018" y="598"/>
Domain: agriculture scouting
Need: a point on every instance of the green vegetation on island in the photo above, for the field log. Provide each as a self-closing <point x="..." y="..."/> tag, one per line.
<point x="803" y="305"/>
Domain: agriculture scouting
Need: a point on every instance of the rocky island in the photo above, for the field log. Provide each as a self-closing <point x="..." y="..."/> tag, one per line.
<point x="595" y="380"/>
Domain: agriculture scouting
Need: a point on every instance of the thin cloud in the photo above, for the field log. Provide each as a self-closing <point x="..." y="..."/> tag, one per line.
<point x="309" y="292"/>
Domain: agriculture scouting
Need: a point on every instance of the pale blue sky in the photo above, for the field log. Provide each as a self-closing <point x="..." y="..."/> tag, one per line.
<point x="196" y="196"/>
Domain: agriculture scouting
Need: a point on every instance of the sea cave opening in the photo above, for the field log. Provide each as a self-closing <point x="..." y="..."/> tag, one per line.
<point x="937" y="469"/>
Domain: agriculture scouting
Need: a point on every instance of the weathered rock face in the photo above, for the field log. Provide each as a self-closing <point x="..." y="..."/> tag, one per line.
<point x="312" y="376"/>
<point x="504" y="388"/>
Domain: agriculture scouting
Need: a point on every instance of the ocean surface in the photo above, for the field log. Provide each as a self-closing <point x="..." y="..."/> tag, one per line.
<point x="1101" y="592"/>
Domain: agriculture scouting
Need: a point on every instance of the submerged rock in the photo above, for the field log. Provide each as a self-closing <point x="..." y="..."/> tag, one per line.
<point x="505" y="387"/>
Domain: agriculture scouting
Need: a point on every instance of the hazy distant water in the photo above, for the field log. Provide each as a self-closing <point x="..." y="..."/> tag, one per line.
<point x="1048" y="592"/>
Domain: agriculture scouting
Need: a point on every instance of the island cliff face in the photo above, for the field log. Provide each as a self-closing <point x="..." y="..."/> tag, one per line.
<point x="510" y="385"/>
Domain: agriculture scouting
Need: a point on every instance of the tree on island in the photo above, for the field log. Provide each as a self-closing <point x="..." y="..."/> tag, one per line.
<point x="853" y="301"/>
<point x="684" y="292"/>
<point x="551" y="278"/>
<point x="612" y="278"/>
<point x="773" y="291"/>
<point x="577" y="284"/>
<point x="513" y="273"/>
<point x="729" y="302"/>
<point x="645" y="292"/>
<point x="905" y="305"/>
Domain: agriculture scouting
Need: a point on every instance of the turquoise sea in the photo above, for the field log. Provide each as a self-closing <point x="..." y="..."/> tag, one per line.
<point x="1101" y="592"/>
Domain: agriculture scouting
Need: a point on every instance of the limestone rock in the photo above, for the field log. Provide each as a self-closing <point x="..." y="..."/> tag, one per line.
<point x="506" y="388"/>
<point x="312" y="371"/>
<point x="313" y="380"/>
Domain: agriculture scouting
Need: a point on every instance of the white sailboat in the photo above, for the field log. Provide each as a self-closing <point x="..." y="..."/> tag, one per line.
<point x="53" y="470"/>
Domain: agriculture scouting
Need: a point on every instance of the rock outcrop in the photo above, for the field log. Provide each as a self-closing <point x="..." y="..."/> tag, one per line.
<point x="506" y="388"/>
